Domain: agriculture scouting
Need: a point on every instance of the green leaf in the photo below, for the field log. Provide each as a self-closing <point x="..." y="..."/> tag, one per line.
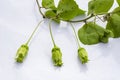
<point x="52" y="14"/>
<point x="114" y="25"/>
<point x="49" y="4"/>
<point x="99" y="6"/>
<point x="68" y="9"/>
<point x="80" y="12"/>
<point x="116" y="11"/>
<point x="92" y="33"/>
<point x="118" y="1"/>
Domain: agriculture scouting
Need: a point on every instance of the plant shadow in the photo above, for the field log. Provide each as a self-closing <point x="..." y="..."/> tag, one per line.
<point x="83" y="67"/>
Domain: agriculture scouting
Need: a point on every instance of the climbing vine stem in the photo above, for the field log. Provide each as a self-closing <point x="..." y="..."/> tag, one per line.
<point x="39" y="7"/>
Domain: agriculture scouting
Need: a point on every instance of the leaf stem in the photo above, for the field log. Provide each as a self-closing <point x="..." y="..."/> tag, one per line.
<point x="51" y="33"/>
<point x="33" y="32"/>
<point x="39" y="7"/>
<point x="75" y="35"/>
<point x="89" y="17"/>
<point x="83" y="20"/>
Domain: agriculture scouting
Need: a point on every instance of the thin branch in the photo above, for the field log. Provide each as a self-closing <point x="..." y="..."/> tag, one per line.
<point x="39" y="7"/>
<point x="100" y="19"/>
<point x="92" y="15"/>
<point x="83" y="20"/>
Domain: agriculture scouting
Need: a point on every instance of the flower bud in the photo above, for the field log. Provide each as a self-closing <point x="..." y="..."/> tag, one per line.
<point x="57" y="56"/>
<point x="83" y="56"/>
<point x="21" y="53"/>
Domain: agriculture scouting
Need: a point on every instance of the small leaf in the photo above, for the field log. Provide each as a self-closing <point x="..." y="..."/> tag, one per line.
<point x="99" y="6"/>
<point x="52" y="14"/>
<point x="118" y="1"/>
<point x="48" y="4"/>
<point x="68" y="9"/>
<point x="92" y="33"/>
<point x="114" y="25"/>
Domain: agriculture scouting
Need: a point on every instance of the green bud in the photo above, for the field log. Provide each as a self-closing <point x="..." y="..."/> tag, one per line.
<point x="21" y="53"/>
<point x="83" y="56"/>
<point x="57" y="56"/>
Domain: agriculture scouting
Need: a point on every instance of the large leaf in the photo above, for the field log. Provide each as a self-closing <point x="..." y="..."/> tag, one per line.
<point x="68" y="9"/>
<point x="114" y="25"/>
<point x="92" y="33"/>
<point x="118" y="1"/>
<point x="48" y="4"/>
<point x="99" y="6"/>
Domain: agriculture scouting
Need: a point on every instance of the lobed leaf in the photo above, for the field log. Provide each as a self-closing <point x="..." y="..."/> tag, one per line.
<point x="114" y="25"/>
<point x="92" y="33"/>
<point x="68" y="9"/>
<point x="99" y="6"/>
<point x="49" y="4"/>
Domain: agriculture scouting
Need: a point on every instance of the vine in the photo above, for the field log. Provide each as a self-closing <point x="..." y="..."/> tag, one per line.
<point x="90" y="33"/>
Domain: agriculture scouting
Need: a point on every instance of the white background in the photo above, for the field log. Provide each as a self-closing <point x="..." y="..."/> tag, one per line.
<point x="18" y="18"/>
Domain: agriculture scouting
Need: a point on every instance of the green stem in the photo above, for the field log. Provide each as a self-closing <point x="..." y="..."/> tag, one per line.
<point x="39" y="7"/>
<point x="33" y="32"/>
<point x="89" y="17"/>
<point x="75" y="35"/>
<point x="51" y="33"/>
<point x="83" y="20"/>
